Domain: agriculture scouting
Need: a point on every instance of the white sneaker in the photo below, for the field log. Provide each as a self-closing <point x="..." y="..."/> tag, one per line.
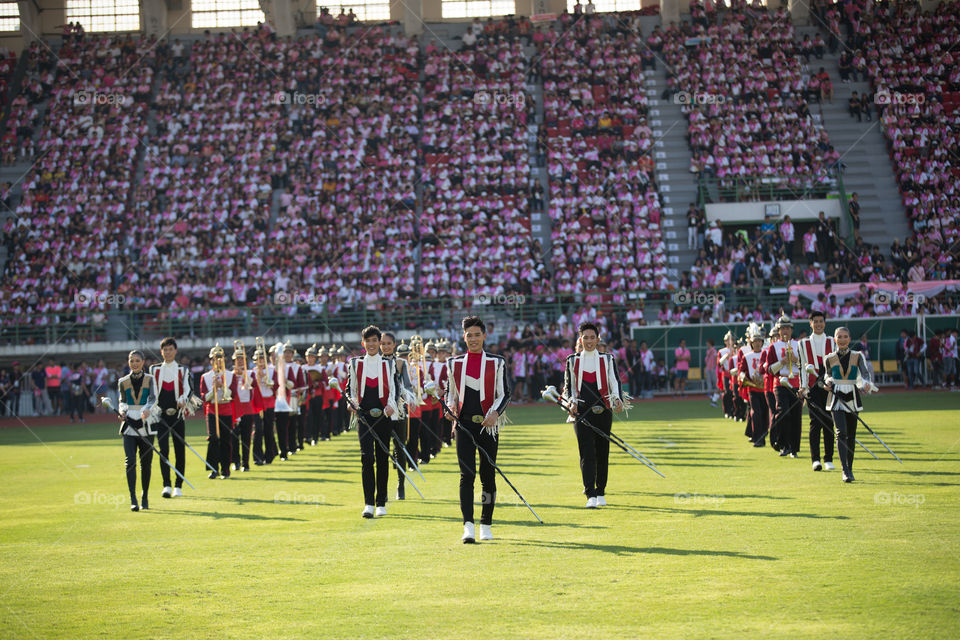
<point x="817" y="466"/>
<point x="591" y="503"/>
<point x="381" y="511"/>
<point x="368" y="511"/>
<point x="166" y="493"/>
<point x="828" y="466"/>
<point x="601" y="501"/>
<point x="177" y="492"/>
<point x="469" y="533"/>
<point x="485" y="533"/>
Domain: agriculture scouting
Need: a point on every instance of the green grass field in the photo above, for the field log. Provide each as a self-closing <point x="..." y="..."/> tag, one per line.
<point x="735" y="542"/>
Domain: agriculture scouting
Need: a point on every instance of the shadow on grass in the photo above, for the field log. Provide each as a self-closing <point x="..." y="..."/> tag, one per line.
<point x="721" y="512"/>
<point x="621" y="550"/>
<point x="499" y="521"/>
<point x="726" y="496"/>
<point x="242" y="501"/>
<point x="216" y="515"/>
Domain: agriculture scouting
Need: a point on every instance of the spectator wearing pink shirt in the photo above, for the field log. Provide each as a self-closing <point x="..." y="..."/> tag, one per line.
<point x="682" y="367"/>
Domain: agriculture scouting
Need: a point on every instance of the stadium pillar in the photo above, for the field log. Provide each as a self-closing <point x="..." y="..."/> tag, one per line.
<point x="413" y="17"/>
<point x="799" y="12"/>
<point x="670" y="11"/>
<point x="279" y="14"/>
<point x="30" y="17"/>
<point x="153" y="17"/>
<point x="774" y="5"/>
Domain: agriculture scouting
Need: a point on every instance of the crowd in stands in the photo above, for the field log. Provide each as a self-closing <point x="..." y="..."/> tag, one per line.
<point x="604" y="204"/>
<point x="741" y="80"/>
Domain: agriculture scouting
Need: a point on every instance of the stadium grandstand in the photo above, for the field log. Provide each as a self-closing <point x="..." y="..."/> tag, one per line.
<point x="223" y="169"/>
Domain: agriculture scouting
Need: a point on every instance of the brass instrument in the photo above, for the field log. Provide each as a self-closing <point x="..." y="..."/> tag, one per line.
<point x="219" y="369"/>
<point x="750" y="383"/>
<point x="261" y="352"/>
<point x="240" y="357"/>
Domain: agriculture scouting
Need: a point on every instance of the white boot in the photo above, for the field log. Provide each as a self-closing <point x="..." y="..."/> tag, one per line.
<point x="485" y="533"/>
<point x="591" y="503"/>
<point x="601" y="501"/>
<point x="381" y="511"/>
<point x="828" y="466"/>
<point x="166" y="493"/>
<point x="469" y="533"/>
<point x="368" y="511"/>
<point x="177" y="492"/>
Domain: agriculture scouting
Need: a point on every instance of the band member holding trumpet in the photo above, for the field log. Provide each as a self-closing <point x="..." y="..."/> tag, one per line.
<point x="783" y="361"/>
<point x="218" y="388"/>
<point x="293" y="382"/>
<point x="847" y="373"/>
<point x="770" y="383"/>
<point x="172" y="383"/>
<point x="264" y="440"/>
<point x="371" y="384"/>
<point x="723" y="375"/>
<point x="440" y="377"/>
<point x="248" y="405"/>
<point x="813" y="351"/>
<point x="316" y="379"/>
<point x="752" y="381"/>
<point x="593" y="392"/>
<point x="478" y="392"/>
<point x="137" y="395"/>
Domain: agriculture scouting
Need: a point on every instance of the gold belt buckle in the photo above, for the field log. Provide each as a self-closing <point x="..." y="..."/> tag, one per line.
<point x="476" y="419"/>
<point x="376" y="413"/>
<point x="596" y="409"/>
<point x="171" y="412"/>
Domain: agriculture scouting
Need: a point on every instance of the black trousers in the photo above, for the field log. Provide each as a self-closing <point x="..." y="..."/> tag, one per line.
<point x="409" y="434"/>
<point x="594" y="450"/>
<point x="315" y="418"/>
<point x="820" y="421"/>
<point x="166" y="424"/>
<point x="374" y="458"/>
<point x="467" y="454"/>
<point x="326" y="424"/>
<point x="759" y="415"/>
<point x="284" y="433"/>
<point x="244" y="431"/>
<point x="790" y="417"/>
<point x="740" y="405"/>
<point x="135" y="447"/>
<point x="218" y="448"/>
<point x="266" y="444"/>
<point x="299" y="423"/>
<point x="430" y="438"/>
<point x="771" y="415"/>
<point x="727" y="399"/>
<point x="846" y="424"/>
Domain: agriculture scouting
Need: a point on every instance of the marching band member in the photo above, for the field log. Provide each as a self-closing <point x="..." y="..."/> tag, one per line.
<point x="316" y="379"/>
<point x="769" y="383"/>
<point x="743" y="393"/>
<point x="299" y="424"/>
<point x="371" y="384"/>
<point x="783" y="361"/>
<point x="593" y="393"/>
<point x="404" y="394"/>
<point x="172" y="383"/>
<point x="137" y="395"/>
<point x="847" y="373"/>
<point x="248" y="403"/>
<point x="723" y="375"/>
<point x="331" y="395"/>
<point x="218" y="388"/>
<point x="444" y="352"/>
<point x="341" y="423"/>
<point x="430" y="436"/>
<point x="813" y="351"/>
<point x="752" y="381"/>
<point x="264" y="440"/>
<point x="478" y="392"/>
<point x="287" y="421"/>
<point x="413" y="410"/>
